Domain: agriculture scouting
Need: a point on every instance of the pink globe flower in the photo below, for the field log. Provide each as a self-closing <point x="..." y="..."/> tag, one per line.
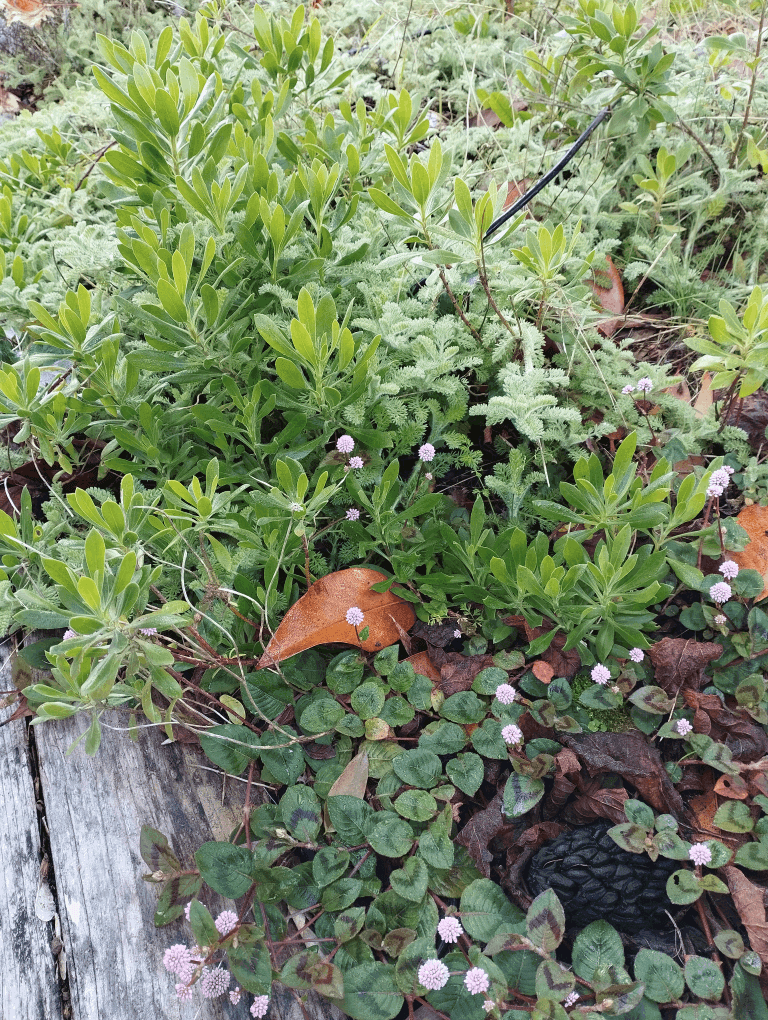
<point x="512" y="734"/>
<point x="488" y="1005"/>
<point x="645" y="384"/>
<point x="601" y="674"/>
<point x="183" y="992"/>
<point x="457" y="633"/>
<point x="433" y="974"/>
<point x="352" y="514"/>
<point x="356" y="462"/>
<point x="720" y="592"/>
<point x="729" y="569"/>
<point x="234" y="996"/>
<point x="225" y="922"/>
<point x="476" y="980"/>
<point x="636" y="654"/>
<point x="506" y="694"/>
<point x="714" y="490"/>
<point x="345" y="444"/>
<point x="721" y="476"/>
<point x="260" y="1006"/>
<point x="177" y="959"/>
<point x="355" y="616"/>
<point x="720" y="620"/>
<point x="683" y="727"/>
<point x="214" y="983"/>
<point x="427" y="452"/>
<point x="629" y="388"/>
<point x="449" y="929"/>
<point x="700" y="854"/>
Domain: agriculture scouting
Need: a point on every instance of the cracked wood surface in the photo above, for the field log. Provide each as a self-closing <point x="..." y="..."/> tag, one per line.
<point x="29" y="986"/>
<point x="94" y="810"/>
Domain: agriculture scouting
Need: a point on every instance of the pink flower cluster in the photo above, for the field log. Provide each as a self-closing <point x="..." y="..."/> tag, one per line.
<point x="700" y="854"/>
<point x="355" y="616"/>
<point x="719" y="480"/>
<point x="449" y="929"/>
<point x="512" y="734"/>
<point x="720" y="592"/>
<point x="506" y="694"/>
<point x="601" y="674"/>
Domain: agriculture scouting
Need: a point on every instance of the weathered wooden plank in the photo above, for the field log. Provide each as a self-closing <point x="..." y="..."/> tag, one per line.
<point x="29" y="987"/>
<point x="95" y="809"/>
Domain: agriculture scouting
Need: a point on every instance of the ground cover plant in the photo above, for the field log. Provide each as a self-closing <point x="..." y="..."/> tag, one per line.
<point x="321" y="453"/>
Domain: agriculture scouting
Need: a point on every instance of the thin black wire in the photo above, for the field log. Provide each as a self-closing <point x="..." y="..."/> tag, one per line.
<point x="523" y="201"/>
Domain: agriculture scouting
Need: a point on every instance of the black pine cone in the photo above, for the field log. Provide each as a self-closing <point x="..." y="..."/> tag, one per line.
<point x="595" y="879"/>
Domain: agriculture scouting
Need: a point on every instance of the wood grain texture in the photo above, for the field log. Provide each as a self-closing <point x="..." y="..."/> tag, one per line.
<point x="95" y="809"/>
<point x="29" y="988"/>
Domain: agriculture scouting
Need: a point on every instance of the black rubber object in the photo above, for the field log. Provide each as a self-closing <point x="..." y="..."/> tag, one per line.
<point x="596" y="880"/>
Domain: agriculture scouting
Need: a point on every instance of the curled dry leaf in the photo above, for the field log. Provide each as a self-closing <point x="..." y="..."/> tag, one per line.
<point x="754" y="520"/>
<point x="479" y="831"/>
<point x="596" y="801"/>
<point x="319" y="617"/>
<point x="631" y="756"/>
<point x="679" y="662"/>
<point x="424" y="666"/>
<point x="609" y="291"/>
<point x="748" y="900"/>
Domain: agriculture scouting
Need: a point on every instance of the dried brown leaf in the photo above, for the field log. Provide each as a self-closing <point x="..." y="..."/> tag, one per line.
<point x="748" y="898"/>
<point x="353" y="779"/>
<point x="705" y="397"/>
<point x="596" y="801"/>
<point x="733" y="787"/>
<point x="609" y="291"/>
<point x="479" y="831"/>
<point x="631" y="756"/>
<point x="424" y="666"/>
<point x="679" y="662"/>
<point x="754" y="520"/>
<point x="319" y="616"/>
<point x="542" y="671"/>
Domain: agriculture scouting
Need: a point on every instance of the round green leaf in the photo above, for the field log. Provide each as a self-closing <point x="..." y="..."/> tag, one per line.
<point x="436" y="847"/>
<point x="661" y="976"/>
<point x="598" y="945"/>
<point x="753" y="856"/>
<point x="371" y="993"/>
<point x="320" y="715"/>
<point x="467" y="772"/>
<point x="390" y="836"/>
<point x="418" y="768"/>
<point x="368" y="700"/>
<point x="341" y="894"/>
<point x="464" y="707"/>
<point x="444" y="738"/>
<point x="521" y="793"/>
<point x="704" y="978"/>
<point x="734" y="816"/>
<point x="545" y="921"/>
<point x="486" y="911"/>
<point x="301" y="812"/>
<point x="418" y="805"/>
<point x="683" y="887"/>
<point x="411" y="880"/>
<point x="225" y="868"/>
